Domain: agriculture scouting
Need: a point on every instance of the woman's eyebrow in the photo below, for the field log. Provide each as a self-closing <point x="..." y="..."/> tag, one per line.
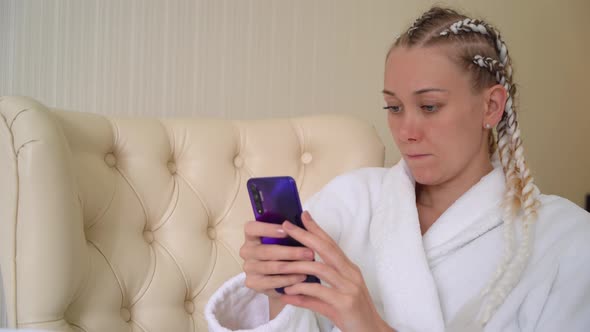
<point x="421" y="91"/>
<point x="430" y="90"/>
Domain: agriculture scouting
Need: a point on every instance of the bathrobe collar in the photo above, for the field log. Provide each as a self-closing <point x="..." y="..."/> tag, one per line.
<point x="403" y="256"/>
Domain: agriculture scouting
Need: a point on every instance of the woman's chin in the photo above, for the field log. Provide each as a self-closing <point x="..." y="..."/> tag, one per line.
<point x="425" y="176"/>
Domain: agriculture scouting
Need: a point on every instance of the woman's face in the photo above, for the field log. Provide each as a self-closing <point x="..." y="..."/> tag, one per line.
<point x="436" y="118"/>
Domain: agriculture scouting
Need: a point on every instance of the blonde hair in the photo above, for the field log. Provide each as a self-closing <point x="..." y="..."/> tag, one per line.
<point x="479" y="48"/>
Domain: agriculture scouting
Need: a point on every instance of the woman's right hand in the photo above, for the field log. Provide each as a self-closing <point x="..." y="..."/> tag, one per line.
<point x="264" y="263"/>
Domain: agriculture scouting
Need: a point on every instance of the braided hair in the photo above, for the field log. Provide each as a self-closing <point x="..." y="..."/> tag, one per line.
<point x="481" y="50"/>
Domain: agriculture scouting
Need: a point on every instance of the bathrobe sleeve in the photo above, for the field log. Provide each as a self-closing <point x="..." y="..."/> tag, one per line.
<point x="567" y="305"/>
<point x="234" y="307"/>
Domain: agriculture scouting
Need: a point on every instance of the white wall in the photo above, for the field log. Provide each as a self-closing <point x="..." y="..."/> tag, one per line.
<point x="263" y="58"/>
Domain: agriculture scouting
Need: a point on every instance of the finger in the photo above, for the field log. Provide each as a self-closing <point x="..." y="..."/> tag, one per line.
<point x="312" y="304"/>
<point x="254" y="230"/>
<point x="329" y="251"/>
<point x="325" y="272"/>
<point x="262" y="283"/>
<point x="265" y="267"/>
<point x="326" y="247"/>
<point x="312" y="226"/>
<point x="316" y="297"/>
<point x="275" y="252"/>
<point x="316" y="293"/>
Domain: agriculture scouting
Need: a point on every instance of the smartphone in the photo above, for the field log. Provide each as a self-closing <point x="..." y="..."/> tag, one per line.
<point x="274" y="200"/>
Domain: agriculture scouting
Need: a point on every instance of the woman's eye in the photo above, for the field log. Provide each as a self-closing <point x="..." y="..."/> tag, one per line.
<point x="393" y="109"/>
<point x="430" y="108"/>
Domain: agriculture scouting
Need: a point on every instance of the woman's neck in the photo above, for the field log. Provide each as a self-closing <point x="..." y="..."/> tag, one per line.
<point x="433" y="200"/>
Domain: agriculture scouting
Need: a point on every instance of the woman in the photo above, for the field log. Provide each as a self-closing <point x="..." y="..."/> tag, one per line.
<point x="418" y="247"/>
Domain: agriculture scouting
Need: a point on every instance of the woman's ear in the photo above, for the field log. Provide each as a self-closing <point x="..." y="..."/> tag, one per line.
<point x="495" y="101"/>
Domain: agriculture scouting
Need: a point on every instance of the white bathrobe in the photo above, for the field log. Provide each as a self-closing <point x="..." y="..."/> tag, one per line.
<point x="422" y="283"/>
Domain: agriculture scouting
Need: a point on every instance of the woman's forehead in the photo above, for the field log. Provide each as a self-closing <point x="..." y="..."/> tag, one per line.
<point x="419" y="68"/>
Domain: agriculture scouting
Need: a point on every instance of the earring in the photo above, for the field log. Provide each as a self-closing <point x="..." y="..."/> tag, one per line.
<point x="488" y="126"/>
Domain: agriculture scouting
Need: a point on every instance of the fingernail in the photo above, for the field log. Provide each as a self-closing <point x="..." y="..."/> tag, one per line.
<point x="307" y="217"/>
<point x="288" y="225"/>
<point x="308" y="254"/>
<point x="281" y="231"/>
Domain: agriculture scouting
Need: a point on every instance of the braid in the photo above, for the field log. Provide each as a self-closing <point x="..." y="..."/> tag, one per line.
<point x="419" y="21"/>
<point x="429" y="16"/>
<point x="424" y="24"/>
<point x="496" y="68"/>
<point x="521" y="192"/>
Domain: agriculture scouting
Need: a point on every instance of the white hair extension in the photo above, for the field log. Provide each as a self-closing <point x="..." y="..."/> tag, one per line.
<point x="529" y="204"/>
<point x="497" y="68"/>
<point x="511" y="154"/>
<point x="504" y="145"/>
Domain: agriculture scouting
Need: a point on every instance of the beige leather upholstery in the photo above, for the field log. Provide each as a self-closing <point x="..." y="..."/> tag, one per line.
<point x="111" y="224"/>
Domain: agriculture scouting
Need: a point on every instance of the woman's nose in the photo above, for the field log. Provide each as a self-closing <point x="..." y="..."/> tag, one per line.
<point x="411" y="128"/>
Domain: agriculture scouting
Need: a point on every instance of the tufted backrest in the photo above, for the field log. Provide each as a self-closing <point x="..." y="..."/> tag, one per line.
<point x="112" y="224"/>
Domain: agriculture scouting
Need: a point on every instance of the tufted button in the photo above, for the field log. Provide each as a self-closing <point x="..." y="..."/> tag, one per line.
<point x="172" y="167"/>
<point x="148" y="236"/>
<point x="189" y="306"/>
<point x="211" y="233"/>
<point x="306" y="158"/>
<point x="110" y="159"/>
<point x="125" y="314"/>
<point x="238" y="162"/>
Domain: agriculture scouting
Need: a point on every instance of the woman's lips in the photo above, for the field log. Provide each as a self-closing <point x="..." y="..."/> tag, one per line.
<point x="417" y="156"/>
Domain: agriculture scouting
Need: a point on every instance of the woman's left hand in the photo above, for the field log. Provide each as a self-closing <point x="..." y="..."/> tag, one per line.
<point x="345" y="300"/>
